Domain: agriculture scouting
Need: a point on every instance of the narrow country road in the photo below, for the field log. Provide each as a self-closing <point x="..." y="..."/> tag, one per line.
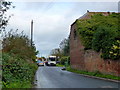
<point x="54" y="77"/>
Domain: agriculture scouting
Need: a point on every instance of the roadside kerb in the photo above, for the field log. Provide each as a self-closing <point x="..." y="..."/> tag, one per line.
<point x="117" y="81"/>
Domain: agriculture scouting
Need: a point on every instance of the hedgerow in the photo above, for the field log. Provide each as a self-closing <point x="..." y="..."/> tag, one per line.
<point x="18" y="61"/>
<point x="17" y="70"/>
<point x="18" y="67"/>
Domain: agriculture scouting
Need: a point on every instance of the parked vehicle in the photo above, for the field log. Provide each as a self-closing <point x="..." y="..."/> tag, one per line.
<point x="40" y="63"/>
<point x="52" y="60"/>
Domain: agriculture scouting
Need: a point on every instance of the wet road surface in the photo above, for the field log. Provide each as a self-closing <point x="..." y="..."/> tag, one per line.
<point x="54" y="77"/>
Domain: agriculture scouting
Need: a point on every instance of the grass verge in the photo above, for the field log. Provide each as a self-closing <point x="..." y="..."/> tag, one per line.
<point x="97" y="74"/>
<point x="59" y="65"/>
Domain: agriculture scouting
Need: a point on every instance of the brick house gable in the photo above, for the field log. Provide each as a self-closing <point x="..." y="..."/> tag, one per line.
<point x="89" y="60"/>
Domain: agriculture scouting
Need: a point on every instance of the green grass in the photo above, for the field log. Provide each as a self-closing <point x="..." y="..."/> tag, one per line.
<point x="97" y="74"/>
<point x="59" y="65"/>
<point x="18" y="84"/>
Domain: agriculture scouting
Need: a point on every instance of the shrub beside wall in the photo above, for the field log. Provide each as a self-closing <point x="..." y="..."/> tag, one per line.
<point x="102" y="34"/>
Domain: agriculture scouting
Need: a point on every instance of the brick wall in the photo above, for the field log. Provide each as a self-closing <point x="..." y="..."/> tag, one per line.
<point x="76" y="50"/>
<point x="89" y="60"/>
<point x="93" y="62"/>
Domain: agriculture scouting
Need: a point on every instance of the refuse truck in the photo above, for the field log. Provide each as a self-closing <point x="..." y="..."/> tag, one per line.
<point x="52" y="60"/>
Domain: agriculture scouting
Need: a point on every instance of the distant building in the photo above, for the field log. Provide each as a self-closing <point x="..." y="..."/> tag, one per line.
<point x="90" y="60"/>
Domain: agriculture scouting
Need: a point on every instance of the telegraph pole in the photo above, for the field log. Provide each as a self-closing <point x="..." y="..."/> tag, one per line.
<point x="31" y="32"/>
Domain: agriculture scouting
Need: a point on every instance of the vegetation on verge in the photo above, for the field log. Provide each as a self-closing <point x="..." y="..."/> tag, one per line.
<point x="59" y="65"/>
<point x="17" y="54"/>
<point x="17" y="72"/>
<point x="18" y="61"/>
<point x="96" y="74"/>
<point x="65" y="60"/>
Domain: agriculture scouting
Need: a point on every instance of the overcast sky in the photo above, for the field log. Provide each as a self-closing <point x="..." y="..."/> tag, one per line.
<point x="52" y="20"/>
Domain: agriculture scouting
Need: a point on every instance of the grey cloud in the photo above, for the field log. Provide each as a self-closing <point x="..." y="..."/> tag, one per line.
<point x="35" y="6"/>
<point x="52" y="27"/>
<point x="82" y="7"/>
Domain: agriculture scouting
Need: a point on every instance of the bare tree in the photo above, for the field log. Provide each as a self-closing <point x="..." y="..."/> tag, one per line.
<point x="4" y="6"/>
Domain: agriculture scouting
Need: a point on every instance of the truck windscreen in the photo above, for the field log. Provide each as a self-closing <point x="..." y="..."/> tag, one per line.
<point x="52" y="59"/>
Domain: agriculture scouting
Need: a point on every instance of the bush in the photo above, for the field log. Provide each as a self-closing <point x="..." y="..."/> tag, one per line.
<point x="64" y="59"/>
<point x="16" y="70"/>
<point x="18" y="54"/>
<point x="103" y="40"/>
<point x="20" y="45"/>
<point x="18" y="65"/>
<point x="101" y="35"/>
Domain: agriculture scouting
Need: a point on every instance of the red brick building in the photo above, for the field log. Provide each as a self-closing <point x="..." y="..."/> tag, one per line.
<point x="89" y="60"/>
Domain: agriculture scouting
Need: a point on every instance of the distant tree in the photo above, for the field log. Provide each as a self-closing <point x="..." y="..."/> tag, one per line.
<point x="63" y="50"/>
<point x="64" y="47"/>
<point x="43" y="58"/>
<point x="56" y="52"/>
